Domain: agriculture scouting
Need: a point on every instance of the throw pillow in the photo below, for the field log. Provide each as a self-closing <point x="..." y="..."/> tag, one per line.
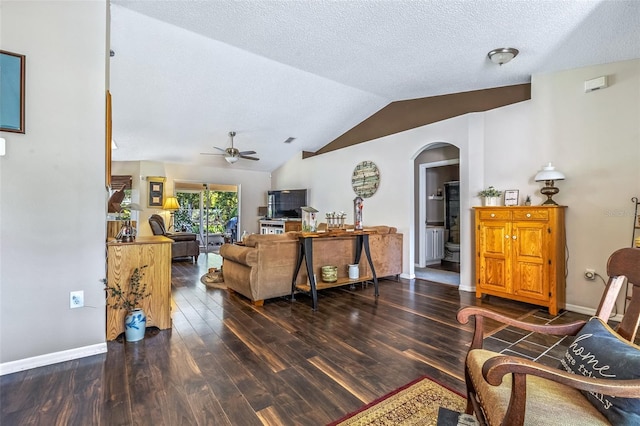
<point x="599" y="352"/>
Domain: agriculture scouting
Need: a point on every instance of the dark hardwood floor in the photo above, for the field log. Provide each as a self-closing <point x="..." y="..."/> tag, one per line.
<point x="228" y="362"/>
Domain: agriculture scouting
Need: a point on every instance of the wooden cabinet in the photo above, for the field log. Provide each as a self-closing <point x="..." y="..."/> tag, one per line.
<point x="293" y="225"/>
<point x="122" y="259"/>
<point x="520" y="254"/>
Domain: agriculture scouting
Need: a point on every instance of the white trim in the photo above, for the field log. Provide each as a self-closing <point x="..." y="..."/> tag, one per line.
<point x="408" y="276"/>
<point x="466" y="287"/>
<point x="590" y="311"/>
<point x="52" y="358"/>
<point x="422" y="197"/>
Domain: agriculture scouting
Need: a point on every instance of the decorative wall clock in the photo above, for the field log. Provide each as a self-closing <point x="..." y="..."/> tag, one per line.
<point x="365" y="179"/>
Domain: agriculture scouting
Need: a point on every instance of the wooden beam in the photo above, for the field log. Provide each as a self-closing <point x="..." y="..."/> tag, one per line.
<point x="408" y="114"/>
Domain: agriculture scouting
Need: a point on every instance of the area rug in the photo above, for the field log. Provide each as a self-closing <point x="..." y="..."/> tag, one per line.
<point x="213" y="279"/>
<point x="416" y="403"/>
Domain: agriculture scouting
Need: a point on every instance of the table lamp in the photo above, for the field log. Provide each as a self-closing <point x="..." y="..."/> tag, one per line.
<point x="171" y="204"/>
<point x="548" y="175"/>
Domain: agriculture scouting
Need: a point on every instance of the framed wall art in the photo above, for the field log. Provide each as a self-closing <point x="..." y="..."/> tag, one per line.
<point x="511" y="197"/>
<point x="12" y="77"/>
<point x="156" y="191"/>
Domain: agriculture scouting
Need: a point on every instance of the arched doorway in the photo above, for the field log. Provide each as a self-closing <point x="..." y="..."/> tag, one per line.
<point x="437" y="220"/>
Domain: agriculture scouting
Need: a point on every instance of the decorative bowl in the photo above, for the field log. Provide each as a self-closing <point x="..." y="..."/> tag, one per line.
<point x="329" y="274"/>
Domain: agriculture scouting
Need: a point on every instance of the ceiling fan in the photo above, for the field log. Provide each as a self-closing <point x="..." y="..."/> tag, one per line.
<point x="233" y="154"/>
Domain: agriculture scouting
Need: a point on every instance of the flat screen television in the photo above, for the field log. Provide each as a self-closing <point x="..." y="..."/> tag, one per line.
<point x="286" y="203"/>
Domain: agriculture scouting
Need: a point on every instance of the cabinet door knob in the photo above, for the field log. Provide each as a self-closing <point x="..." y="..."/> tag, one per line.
<point x="514" y="237"/>
<point x="493" y="215"/>
<point x="528" y="214"/>
<point x="506" y="236"/>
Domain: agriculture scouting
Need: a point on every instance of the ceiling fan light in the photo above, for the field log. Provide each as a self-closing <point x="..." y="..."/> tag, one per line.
<point x="231" y="159"/>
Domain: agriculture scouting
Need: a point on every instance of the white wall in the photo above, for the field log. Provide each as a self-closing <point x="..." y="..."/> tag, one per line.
<point x="52" y="189"/>
<point x="593" y="138"/>
<point x="253" y="187"/>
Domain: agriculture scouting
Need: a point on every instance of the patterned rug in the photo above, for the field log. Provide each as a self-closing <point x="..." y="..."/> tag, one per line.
<point x="416" y="403"/>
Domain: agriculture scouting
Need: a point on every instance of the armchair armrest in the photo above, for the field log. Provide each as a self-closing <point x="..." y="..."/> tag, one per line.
<point x="182" y="236"/>
<point x="480" y="313"/>
<point x="497" y="367"/>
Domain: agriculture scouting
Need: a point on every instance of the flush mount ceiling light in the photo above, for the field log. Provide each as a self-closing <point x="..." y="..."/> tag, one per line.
<point x="502" y="55"/>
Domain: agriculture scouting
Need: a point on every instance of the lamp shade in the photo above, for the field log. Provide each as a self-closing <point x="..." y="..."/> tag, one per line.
<point x="171" y="203"/>
<point x="231" y="159"/>
<point x="548" y="172"/>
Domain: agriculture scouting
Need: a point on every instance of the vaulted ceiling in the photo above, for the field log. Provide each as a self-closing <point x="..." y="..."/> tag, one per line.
<point x="185" y="73"/>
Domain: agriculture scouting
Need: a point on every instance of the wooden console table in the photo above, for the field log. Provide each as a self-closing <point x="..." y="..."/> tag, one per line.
<point x="305" y="251"/>
<point x="122" y="259"/>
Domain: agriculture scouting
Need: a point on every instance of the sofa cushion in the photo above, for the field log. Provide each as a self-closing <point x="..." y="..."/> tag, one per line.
<point x="598" y="351"/>
<point x="254" y="239"/>
<point x="381" y="229"/>
<point x="548" y="402"/>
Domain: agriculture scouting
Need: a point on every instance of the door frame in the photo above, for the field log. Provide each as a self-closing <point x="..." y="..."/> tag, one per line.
<point x="422" y="202"/>
<point x="201" y="187"/>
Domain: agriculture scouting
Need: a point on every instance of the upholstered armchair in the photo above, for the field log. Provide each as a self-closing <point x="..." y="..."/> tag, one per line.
<point x="185" y="244"/>
<point x="597" y="382"/>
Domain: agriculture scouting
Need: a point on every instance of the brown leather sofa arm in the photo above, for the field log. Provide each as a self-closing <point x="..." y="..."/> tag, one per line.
<point x="240" y="254"/>
<point x="464" y="314"/>
<point x="182" y="236"/>
<point x="497" y="367"/>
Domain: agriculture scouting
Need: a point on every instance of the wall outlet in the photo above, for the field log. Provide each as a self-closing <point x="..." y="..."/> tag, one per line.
<point x="590" y="274"/>
<point x="76" y="299"/>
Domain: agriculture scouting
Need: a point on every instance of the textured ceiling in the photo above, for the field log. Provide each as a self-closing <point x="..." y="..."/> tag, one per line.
<point x="185" y="73"/>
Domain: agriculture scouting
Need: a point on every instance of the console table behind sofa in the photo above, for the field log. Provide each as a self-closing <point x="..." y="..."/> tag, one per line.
<point x="263" y="268"/>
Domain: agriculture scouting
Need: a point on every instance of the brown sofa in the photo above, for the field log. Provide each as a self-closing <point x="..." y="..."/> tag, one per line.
<point x="185" y="244"/>
<point x="263" y="268"/>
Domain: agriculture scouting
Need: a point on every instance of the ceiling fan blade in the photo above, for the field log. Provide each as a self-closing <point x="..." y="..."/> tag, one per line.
<point x="247" y="152"/>
<point x="249" y="158"/>
<point x="220" y="149"/>
<point x="210" y="153"/>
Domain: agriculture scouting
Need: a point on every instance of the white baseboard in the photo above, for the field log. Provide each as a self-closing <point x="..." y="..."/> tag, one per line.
<point x="589" y="311"/>
<point x="466" y="287"/>
<point x="408" y="276"/>
<point x="52" y="358"/>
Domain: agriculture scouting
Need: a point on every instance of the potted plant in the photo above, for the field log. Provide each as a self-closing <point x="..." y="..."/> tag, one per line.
<point x="135" y="322"/>
<point x="490" y="196"/>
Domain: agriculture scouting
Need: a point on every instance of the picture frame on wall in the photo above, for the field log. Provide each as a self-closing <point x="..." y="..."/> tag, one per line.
<point x="511" y="197"/>
<point x="156" y="191"/>
<point x="12" y="88"/>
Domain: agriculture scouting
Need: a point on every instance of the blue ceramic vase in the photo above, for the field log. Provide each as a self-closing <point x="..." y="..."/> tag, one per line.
<point x="135" y="324"/>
